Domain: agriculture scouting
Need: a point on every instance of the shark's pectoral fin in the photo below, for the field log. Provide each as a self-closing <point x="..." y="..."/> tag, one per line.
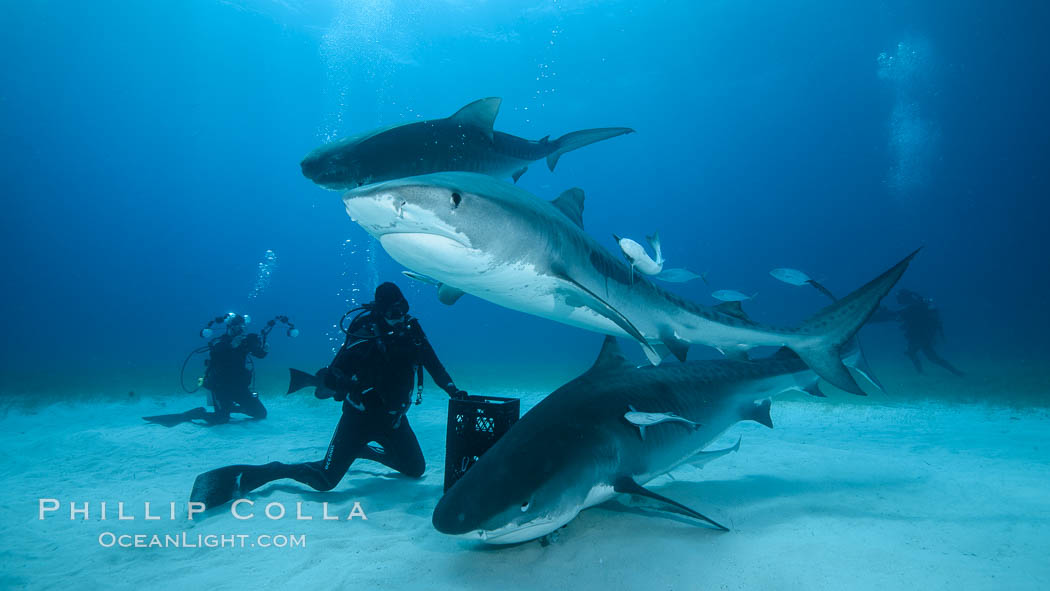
<point x="704" y="457"/>
<point x="599" y="306"/>
<point x="757" y="412"/>
<point x="449" y="295"/>
<point x="517" y="174"/>
<point x="421" y="278"/>
<point x="480" y="113"/>
<point x="679" y="347"/>
<point x="627" y="485"/>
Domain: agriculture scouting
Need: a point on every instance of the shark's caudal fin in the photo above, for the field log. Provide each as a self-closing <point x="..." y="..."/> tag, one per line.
<point x="579" y="139"/>
<point x="823" y="335"/>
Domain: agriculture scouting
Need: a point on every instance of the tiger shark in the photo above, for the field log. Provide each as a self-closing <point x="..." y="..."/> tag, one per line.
<point x="580" y="446"/>
<point x="465" y="141"/>
<point x="475" y="234"/>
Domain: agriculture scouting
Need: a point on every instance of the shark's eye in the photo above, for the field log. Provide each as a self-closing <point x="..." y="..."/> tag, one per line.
<point x="525" y="506"/>
<point x="456" y="198"/>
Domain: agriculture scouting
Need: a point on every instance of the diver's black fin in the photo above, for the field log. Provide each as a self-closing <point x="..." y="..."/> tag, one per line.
<point x="217" y="487"/>
<point x="297" y="380"/>
<point x="627" y="485"/>
<point x="178" y="418"/>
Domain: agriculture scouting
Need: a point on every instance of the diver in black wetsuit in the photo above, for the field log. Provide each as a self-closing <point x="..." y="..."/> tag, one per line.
<point x="228" y="376"/>
<point x="921" y="323"/>
<point x="373" y="376"/>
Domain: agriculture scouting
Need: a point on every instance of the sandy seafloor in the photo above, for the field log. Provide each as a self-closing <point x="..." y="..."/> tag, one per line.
<point x="878" y="495"/>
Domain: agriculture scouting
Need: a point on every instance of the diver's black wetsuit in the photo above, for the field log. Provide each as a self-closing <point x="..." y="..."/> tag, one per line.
<point x="229" y="379"/>
<point x="373" y="375"/>
<point x="921" y="324"/>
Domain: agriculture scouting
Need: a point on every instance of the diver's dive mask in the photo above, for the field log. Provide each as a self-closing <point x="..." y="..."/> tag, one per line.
<point x="396" y="313"/>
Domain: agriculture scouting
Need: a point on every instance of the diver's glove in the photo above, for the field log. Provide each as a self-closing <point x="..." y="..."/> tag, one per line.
<point x="455" y="393"/>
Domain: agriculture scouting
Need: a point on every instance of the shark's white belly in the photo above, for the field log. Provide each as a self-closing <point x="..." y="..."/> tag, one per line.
<point x="517" y="285"/>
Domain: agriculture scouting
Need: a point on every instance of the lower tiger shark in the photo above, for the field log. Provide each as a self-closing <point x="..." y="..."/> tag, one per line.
<point x="581" y="445"/>
<point x="475" y="234"/>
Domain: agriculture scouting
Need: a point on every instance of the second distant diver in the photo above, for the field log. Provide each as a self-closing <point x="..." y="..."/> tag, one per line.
<point x="920" y="321"/>
<point x="372" y="375"/>
<point x="229" y="373"/>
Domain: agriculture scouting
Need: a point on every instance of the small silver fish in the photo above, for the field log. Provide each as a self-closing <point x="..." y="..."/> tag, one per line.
<point x="790" y="276"/>
<point x="648" y="419"/>
<point x="731" y="295"/>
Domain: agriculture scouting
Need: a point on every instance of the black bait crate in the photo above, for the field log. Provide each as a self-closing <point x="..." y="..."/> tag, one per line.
<point x="474" y="424"/>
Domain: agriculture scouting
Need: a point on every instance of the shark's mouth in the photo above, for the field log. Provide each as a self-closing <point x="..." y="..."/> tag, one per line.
<point x="512" y="534"/>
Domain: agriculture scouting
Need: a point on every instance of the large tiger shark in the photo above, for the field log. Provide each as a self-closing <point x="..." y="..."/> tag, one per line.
<point x="465" y="141"/>
<point x="607" y="432"/>
<point x="475" y="234"/>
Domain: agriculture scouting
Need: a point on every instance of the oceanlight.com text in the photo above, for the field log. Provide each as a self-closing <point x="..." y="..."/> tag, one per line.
<point x="185" y="540"/>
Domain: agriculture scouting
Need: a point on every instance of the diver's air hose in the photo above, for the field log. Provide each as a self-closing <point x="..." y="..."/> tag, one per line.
<point x="182" y="373"/>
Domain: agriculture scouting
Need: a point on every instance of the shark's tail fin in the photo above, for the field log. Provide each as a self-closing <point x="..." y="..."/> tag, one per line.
<point x="821" y="337"/>
<point x="579" y="139"/>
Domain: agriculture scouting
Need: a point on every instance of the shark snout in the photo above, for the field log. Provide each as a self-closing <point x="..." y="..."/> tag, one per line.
<point x="450" y="517"/>
<point x="311" y="167"/>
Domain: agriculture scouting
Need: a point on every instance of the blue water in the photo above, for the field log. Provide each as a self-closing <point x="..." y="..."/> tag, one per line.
<point x="150" y="160"/>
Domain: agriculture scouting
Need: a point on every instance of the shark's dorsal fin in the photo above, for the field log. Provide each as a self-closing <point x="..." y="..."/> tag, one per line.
<point x="570" y="203"/>
<point x="610" y="357"/>
<point x="480" y="113"/>
<point x="733" y="309"/>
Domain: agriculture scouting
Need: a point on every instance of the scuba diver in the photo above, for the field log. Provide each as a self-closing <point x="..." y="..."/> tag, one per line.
<point x="921" y="323"/>
<point x="229" y="372"/>
<point x="372" y="375"/>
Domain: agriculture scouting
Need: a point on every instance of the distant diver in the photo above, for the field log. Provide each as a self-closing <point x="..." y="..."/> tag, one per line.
<point x="229" y="372"/>
<point x="372" y="375"/>
<point x="920" y="321"/>
<point x="465" y="141"/>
